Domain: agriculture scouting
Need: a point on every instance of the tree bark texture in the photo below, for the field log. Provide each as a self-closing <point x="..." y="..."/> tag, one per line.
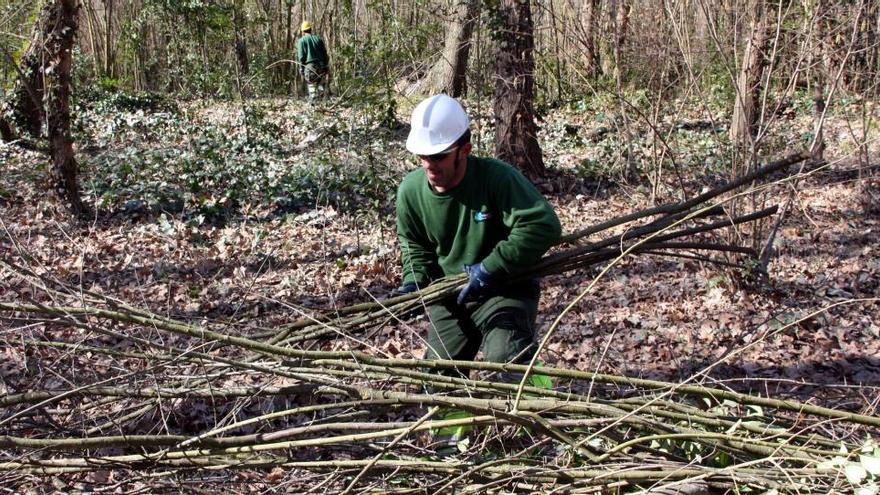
<point x="588" y="36"/>
<point x="449" y="74"/>
<point x="61" y="30"/>
<point x="515" y="130"/>
<point x="611" y="47"/>
<point x="748" y="85"/>
<point x="820" y="79"/>
<point x="621" y="24"/>
<point x="108" y="42"/>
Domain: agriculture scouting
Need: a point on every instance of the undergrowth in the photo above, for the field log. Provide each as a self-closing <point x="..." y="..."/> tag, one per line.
<point x="207" y="160"/>
<point x="144" y="153"/>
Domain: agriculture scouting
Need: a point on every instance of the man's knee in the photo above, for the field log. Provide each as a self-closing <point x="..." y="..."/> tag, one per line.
<point x="509" y="338"/>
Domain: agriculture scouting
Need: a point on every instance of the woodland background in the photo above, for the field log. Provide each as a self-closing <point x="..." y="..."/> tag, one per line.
<point x="187" y="246"/>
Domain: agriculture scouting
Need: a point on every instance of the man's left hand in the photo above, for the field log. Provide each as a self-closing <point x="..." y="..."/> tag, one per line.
<point x="404" y="289"/>
<point x="480" y="282"/>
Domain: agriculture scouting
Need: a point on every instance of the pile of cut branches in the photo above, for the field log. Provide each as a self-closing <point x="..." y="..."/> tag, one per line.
<point x="117" y="397"/>
<point x="360" y="422"/>
<point x="673" y="229"/>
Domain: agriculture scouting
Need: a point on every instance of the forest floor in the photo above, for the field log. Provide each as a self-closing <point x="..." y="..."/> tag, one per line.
<point x="811" y="331"/>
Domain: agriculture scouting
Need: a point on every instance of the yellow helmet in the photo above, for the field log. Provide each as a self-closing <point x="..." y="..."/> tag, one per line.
<point x="306" y="25"/>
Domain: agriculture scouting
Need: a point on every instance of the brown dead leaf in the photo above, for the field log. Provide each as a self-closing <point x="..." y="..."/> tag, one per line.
<point x="275" y="474"/>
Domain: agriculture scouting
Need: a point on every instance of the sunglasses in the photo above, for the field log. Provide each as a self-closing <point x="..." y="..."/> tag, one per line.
<point x="436" y="157"/>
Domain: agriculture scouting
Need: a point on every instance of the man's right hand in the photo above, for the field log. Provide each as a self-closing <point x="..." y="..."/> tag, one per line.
<point x="480" y="283"/>
<point x="406" y="288"/>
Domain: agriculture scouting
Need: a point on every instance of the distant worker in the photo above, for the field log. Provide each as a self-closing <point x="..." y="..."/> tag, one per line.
<point x="314" y="64"/>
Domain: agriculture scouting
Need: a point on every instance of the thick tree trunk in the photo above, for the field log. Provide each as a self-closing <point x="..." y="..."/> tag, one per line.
<point x="611" y="47"/>
<point x="748" y="86"/>
<point x="515" y="130"/>
<point x="449" y="74"/>
<point x="588" y="36"/>
<point x="62" y="26"/>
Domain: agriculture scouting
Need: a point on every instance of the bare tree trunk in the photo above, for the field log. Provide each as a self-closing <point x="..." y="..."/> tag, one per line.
<point x="448" y="74"/>
<point x="621" y="24"/>
<point x="748" y="86"/>
<point x="515" y="130"/>
<point x="819" y="83"/>
<point x="93" y="44"/>
<point x="588" y="37"/>
<point x="555" y="27"/>
<point x="611" y="51"/>
<point x="108" y="40"/>
<point x="241" y="53"/>
<point x="61" y="30"/>
<point x="289" y="50"/>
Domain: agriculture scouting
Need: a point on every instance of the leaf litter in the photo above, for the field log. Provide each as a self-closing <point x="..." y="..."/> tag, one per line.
<point x="650" y="317"/>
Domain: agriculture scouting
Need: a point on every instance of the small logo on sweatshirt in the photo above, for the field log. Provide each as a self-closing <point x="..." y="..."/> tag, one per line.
<point x="482" y="216"/>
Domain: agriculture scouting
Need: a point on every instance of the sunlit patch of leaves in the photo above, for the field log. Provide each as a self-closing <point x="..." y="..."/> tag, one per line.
<point x="861" y="469"/>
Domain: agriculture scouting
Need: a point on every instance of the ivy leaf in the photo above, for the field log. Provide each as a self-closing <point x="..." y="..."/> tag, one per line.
<point x="833" y="463"/>
<point x="754" y="410"/>
<point x="734" y="427"/>
<point x="855" y="473"/>
<point x="871" y="464"/>
<point x="867" y="490"/>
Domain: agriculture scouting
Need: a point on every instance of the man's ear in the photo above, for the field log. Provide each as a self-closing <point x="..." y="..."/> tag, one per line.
<point x="466" y="148"/>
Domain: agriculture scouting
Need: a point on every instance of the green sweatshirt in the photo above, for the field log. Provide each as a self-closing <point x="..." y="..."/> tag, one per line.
<point x="310" y="50"/>
<point x="494" y="216"/>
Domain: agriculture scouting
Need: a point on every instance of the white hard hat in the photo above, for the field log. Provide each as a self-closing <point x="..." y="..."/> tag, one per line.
<point x="437" y="123"/>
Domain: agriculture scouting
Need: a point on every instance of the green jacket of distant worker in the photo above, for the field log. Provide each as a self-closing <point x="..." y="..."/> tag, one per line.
<point x="310" y="49"/>
<point x="311" y="54"/>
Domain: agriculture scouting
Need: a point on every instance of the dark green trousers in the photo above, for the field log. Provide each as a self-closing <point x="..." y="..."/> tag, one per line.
<point x="502" y="326"/>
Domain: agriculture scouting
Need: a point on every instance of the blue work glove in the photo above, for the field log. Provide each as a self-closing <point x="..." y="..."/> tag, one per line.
<point x="480" y="282"/>
<point x="406" y="288"/>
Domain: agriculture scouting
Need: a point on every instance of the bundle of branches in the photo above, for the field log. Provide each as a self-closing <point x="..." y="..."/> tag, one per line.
<point x="351" y="422"/>
<point x="670" y="229"/>
<point x="123" y="398"/>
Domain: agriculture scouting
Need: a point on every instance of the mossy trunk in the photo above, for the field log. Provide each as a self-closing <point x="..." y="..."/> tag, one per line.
<point x="62" y="26"/>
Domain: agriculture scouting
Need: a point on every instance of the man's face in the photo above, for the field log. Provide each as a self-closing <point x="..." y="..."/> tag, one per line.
<point x="445" y="170"/>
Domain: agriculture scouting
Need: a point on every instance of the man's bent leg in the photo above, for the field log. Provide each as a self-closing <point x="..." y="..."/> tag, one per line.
<point x="509" y="337"/>
<point x="507" y="323"/>
<point x="451" y="335"/>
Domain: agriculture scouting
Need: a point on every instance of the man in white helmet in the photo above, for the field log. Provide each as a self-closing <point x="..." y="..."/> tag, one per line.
<point x="457" y="213"/>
